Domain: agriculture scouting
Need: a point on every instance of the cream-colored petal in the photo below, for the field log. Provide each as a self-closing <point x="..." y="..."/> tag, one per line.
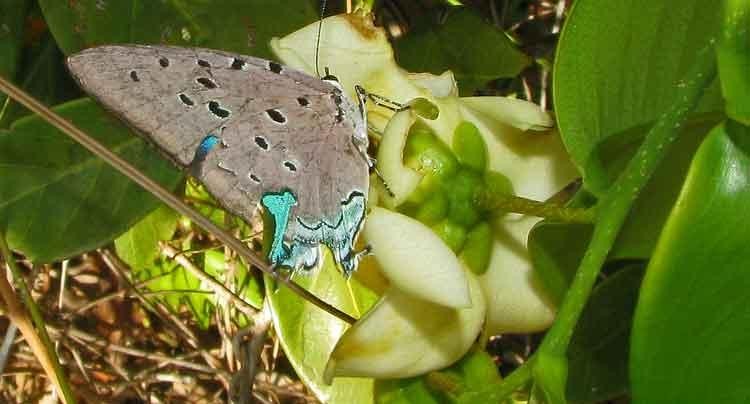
<point x="401" y="179"/>
<point x="415" y="260"/>
<point x="516" y="302"/>
<point x="440" y="86"/>
<point x="536" y="163"/>
<point x="520" y="114"/>
<point x="403" y="337"/>
<point x="355" y="51"/>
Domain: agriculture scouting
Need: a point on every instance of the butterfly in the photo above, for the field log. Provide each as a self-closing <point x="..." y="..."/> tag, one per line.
<point x="253" y="132"/>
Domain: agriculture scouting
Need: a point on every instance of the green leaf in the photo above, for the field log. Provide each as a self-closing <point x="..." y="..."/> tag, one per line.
<point x="690" y="335"/>
<point x="476" y="373"/>
<point x="244" y="283"/>
<point x="181" y="287"/>
<point x="473" y="49"/>
<point x="309" y="334"/>
<point x="12" y="13"/>
<point x="646" y="219"/>
<point x="139" y="246"/>
<point x="556" y="250"/>
<point x="733" y="51"/>
<point x="473" y="379"/>
<point x="617" y="68"/>
<point x="57" y="200"/>
<point x="404" y="391"/>
<point x="242" y="26"/>
<point x="41" y="72"/>
<point x="598" y="351"/>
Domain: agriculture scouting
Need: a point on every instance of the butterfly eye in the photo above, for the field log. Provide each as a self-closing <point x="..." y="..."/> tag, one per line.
<point x="134" y="76"/>
<point x="163" y="62"/>
<point x="302" y="101"/>
<point x="238" y="64"/>
<point x="274" y="67"/>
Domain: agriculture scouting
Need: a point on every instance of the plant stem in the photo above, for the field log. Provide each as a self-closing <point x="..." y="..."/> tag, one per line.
<point x="38" y="339"/>
<point x="546" y="210"/>
<point x="614" y="206"/>
<point x="517" y="379"/>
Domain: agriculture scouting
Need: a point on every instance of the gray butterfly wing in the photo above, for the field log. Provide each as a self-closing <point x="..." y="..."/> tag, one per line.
<point x="280" y="129"/>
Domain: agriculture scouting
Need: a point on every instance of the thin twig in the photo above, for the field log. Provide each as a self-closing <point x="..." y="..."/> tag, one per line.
<point x="86" y="339"/>
<point x="40" y="342"/>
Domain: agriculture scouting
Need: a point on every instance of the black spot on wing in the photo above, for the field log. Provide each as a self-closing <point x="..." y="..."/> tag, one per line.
<point x="206" y="82"/>
<point x="186" y="100"/>
<point x="290" y="166"/>
<point x="261" y="142"/>
<point x="276" y="116"/>
<point x="217" y="110"/>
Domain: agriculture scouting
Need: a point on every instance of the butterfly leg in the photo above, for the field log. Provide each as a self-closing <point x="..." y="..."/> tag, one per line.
<point x="351" y="261"/>
<point x="360" y="136"/>
<point x="384" y="102"/>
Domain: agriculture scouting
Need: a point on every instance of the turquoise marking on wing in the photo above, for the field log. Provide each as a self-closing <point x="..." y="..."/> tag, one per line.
<point x="339" y="237"/>
<point x="279" y="206"/>
<point x="304" y="249"/>
<point x="206" y="145"/>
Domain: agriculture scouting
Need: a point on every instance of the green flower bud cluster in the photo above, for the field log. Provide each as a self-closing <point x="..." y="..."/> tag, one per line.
<point x="447" y="199"/>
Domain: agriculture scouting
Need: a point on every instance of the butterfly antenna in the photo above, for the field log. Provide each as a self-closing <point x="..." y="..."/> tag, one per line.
<point x="317" y="41"/>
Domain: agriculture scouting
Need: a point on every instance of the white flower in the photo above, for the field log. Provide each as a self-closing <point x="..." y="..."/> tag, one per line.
<point x="435" y="307"/>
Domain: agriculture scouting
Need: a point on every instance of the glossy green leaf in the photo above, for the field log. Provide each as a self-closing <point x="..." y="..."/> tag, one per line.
<point x="598" y="351"/>
<point x="690" y="335"/>
<point x="733" y="51"/>
<point x="12" y="17"/>
<point x="618" y="67"/>
<point x="57" y="200"/>
<point x="646" y="219"/>
<point x="139" y="246"/>
<point x="243" y="26"/>
<point x="476" y="51"/>
<point x="309" y="334"/>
